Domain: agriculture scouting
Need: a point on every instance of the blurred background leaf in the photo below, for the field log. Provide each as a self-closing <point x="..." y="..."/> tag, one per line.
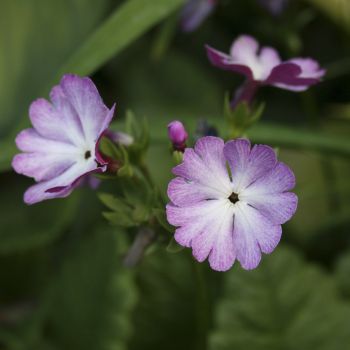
<point x="26" y="227"/>
<point x="166" y="312"/>
<point x="93" y="295"/>
<point x="284" y="304"/>
<point x="338" y="10"/>
<point x="36" y="37"/>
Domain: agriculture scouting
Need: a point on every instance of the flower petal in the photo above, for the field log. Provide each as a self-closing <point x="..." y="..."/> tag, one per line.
<point x="247" y="165"/>
<point x="88" y="105"/>
<point x="206" y="166"/>
<point x="184" y="192"/>
<point x="64" y="181"/>
<point x="279" y="179"/>
<point x="278" y="208"/>
<point x="69" y="118"/>
<point x="223" y="61"/>
<point x="253" y="234"/>
<point x="206" y="227"/>
<point x="268" y="194"/>
<point x="309" y="67"/>
<point x="269" y="58"/>
<point x="244" y="49"/>
<point x="42" y="166"/>
<point x="29" y="140"/>
<point x="288" y="75"/>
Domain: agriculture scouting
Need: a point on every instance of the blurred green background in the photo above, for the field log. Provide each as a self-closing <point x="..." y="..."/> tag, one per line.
<point x="63" y="285"/>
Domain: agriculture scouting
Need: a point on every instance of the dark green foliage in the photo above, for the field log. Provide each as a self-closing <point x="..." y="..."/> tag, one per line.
<point x="92" y="296"/>
<point x="63" y="285"/>
<point x="166" y="312"/>
<point x="285" y="304"/>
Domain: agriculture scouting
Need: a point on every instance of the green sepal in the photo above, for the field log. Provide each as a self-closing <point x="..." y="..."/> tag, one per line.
<point x="173" y="247"/>
<point x="241" y="117"/>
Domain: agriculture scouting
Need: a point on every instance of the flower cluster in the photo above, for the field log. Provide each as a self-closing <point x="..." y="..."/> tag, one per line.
<point x="228" y="200"/>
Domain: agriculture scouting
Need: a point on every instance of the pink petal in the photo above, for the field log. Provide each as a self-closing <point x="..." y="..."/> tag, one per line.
<point x="309" y="67"/>
<point x="268" y="194"/>
<point x="244" y="48"/>
<point x="64" y="181"/>
<point x="247" y="165"/>
<point x="279" y="179"/>
<point x="83" y="96"/>
<point x="278" y="208"/>
<point x="288" y="75"/>
<point x="253" y="234"/>
<point x="207" y="228"/>
<point x="205" y="165"/>
<point x="269" y="58"/>
<point x="185" y="192"/>
<point x="29" y="140"/>
<point x="224" y="61"/>
<point x="42" y="166"/>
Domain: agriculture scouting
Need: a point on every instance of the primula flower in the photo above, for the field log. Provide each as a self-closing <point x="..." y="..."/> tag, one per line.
<point x="195" y="12"/>
<point x="230" y="214"/>
<point x="263" y="66"/>
<point x="177" y="135"/>
<point x="62" y="146"/>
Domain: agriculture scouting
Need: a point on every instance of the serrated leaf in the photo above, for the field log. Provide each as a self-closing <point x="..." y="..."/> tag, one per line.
<point x="284" y="304"/>
<point x="119" y="219"/>
<point x="93" y="296"/>
<point x="165" y="316"/>
<point x="111" y="202"/>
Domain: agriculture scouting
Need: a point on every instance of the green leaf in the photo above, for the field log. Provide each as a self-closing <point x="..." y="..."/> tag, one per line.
<point x="174" y="247"/>
<point x="284" y="304"/>
<point x="165" y="316"/>
<point x="290" y="137"/>
<point x="125" y="25"/>
<point x="30" y="55"/>
<point x="26" y="227"/>
<point x="93" y="296"/>
<point x="342" y="274"/>
<point x="338" y="10"/>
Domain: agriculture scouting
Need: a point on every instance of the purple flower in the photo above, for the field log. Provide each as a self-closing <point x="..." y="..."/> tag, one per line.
<point x="177" y="135"/>
<point x="275" y="7"/>
<point x="62" y="146"/>
<point x="263" y="66"/>
<point x="195" y="12"/>
<point x="230" y="214"/>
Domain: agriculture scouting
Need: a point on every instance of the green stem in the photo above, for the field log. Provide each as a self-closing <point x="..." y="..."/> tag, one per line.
<point x="202" y="306"/>
<point x="146" y="173"/>
<point x="330" y="178"/>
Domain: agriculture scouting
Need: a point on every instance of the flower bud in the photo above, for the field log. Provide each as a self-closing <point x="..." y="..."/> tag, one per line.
<point x="177" y="135"/>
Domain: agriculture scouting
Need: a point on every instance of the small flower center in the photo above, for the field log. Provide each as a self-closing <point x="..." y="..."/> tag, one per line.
<point x="233" y="198"/>
<point x="87" y="155"/>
